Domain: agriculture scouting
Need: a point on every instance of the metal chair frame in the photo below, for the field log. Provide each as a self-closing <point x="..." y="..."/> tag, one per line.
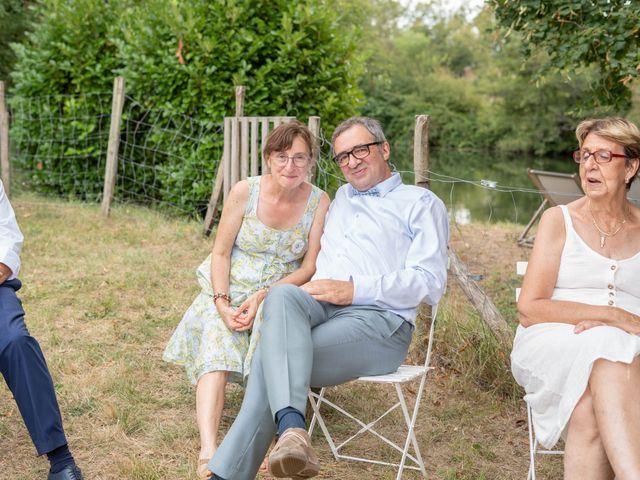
<point x="534" y="446"/>
<point x="564" y="187"/>
<point x="404" y="374"/>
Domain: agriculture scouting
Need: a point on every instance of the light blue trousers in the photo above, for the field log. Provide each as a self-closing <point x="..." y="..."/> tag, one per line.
<point x="305" y="343"/>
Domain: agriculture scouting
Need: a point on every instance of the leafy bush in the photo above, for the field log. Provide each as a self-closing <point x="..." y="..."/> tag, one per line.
<point x="603" y="35"/>
<point x="181" y="59"/>
<point x="473" y="84"/>
<point x="59" y="133"/>
<point x="14" y="15"/>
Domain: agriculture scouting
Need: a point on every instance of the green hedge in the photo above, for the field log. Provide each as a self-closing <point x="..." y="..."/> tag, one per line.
<point x="291" y="55"/>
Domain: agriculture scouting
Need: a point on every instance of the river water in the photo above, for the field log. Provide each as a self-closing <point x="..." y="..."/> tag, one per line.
<point x="478" y="186"/>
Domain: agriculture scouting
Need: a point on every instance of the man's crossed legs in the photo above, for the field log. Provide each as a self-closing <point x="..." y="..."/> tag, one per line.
<point x="305" y="343"/>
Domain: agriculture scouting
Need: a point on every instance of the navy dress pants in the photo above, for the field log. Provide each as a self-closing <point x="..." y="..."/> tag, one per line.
<point x="24" y="369"/>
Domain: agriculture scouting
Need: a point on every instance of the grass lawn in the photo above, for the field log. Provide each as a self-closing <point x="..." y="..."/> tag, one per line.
<point x="103" y="297"/>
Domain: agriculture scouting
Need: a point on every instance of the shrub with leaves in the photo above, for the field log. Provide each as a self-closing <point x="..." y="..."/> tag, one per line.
<point x="576" y="33"/>
<point x="14" y="15"/>
<point x="185" y="58"/>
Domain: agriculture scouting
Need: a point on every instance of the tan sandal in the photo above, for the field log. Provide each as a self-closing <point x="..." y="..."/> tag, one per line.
<point x="203" y="473"/>
<point x="264" y="466"/>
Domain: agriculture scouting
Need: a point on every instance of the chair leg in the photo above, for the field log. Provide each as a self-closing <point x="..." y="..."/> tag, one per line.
<point x="312" y="424"/>
<point x="411" y="422"/>
<point x="532" y="447"/>
<point x="523" y="239"/>
<point x="315" y="405"/>
<point x="316" y="399"/>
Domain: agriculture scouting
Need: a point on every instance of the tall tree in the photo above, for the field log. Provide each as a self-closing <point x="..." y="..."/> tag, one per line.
<point x="581" y="33"/>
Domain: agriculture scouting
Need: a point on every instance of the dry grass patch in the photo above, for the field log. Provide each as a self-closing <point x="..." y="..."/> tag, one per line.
<point x="103" y="297"/>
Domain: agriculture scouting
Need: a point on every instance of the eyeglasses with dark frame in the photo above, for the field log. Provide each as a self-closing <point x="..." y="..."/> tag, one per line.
<point x="359" y="152"/>
<point x="299" y="159"/>
<point x="600" y="156"/>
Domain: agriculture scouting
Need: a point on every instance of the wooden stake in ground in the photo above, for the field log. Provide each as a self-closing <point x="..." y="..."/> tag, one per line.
<point x="212" y="207"/>
<point x="477" y="296"/>
<point x="481" y="301"/>
<point x="111" y="168"/>
<point x="4" y="142"/>
<point x="240" y="89"/>
<point x="314" y="126"/>
<point x="421" y="151"/>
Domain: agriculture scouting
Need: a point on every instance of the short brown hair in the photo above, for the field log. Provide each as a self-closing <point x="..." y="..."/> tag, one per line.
<point x="615" y="129"/>
<point x="281" y="138"/>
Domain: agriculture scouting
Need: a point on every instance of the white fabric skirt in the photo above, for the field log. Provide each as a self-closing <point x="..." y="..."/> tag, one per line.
<point x="553" y="364"/>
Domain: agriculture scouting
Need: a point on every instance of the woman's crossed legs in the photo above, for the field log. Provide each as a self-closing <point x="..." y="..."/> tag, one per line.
<point x="604" y="430"/>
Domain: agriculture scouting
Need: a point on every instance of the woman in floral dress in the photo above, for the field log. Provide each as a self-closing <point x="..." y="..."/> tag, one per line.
<point x="269" y="233"/>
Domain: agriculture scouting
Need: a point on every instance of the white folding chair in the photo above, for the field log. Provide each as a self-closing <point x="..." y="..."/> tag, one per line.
<point x="534" y="446"/>
<point x="404" y="374"/>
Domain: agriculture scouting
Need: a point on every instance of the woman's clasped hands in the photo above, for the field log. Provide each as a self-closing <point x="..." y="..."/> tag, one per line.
<point x="241" y="318"/>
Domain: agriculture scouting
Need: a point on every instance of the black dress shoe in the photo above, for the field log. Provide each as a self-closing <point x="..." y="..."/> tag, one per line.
<point x="70" y="472"/>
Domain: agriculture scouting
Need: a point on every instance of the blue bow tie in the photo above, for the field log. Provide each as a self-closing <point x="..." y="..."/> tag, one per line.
<point x="372" y="192"/>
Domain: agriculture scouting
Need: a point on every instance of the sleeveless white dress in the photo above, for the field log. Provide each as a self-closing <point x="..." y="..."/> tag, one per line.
<point x="549" y="360"/>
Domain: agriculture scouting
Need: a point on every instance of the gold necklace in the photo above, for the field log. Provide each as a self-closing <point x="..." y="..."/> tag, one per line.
<point x="603" y="234"/>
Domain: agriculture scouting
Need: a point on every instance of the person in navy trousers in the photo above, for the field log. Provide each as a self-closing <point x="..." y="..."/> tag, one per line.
<point x="21" y="361"/>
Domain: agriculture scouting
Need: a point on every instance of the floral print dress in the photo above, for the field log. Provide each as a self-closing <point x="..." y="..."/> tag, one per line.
<point x="261" y="255"/>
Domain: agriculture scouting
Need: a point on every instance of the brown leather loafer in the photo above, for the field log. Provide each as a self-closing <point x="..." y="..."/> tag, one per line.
<point x="293" y="456"/>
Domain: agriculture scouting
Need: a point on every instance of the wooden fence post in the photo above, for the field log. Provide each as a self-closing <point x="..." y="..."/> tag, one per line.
<point x="481" y="301"/>
<point x="421" y="151"/>
<point x="218" y="182"/>
<point x="4" y="142"/>
<point x="314" y="126"/>
<point x="111" y="169"/>
<point x="240" y="100"/>
<point x="474" y="292"/>
<point x="421" y="165"/>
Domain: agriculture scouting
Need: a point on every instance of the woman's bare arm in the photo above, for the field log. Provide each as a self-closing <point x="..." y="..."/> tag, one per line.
<point x="535" y="304"/>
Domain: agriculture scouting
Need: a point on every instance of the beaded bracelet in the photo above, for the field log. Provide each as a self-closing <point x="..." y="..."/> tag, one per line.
<point x="221" y="295"/>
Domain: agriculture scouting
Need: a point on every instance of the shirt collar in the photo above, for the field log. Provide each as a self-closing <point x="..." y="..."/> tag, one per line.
<point x="383" y="187"/>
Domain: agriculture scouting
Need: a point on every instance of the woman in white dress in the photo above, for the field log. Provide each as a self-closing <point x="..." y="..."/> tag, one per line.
<point x="576" y="351"/>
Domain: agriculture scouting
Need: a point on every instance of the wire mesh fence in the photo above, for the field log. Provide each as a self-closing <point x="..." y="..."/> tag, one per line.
<point x="168" y="160"/>
<point x="59" y="147"/>
<point x="58" y="144"/>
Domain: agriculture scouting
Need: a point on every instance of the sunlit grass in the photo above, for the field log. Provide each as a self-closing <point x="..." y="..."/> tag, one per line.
<point x="103" y="296"/>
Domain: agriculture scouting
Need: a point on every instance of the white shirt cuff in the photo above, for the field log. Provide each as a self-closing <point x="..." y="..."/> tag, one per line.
<point x="364" y="289"/>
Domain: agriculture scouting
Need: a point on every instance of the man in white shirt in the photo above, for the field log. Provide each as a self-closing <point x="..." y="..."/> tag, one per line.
<point x="21" y="361"/>
<point x="383" y="252"/>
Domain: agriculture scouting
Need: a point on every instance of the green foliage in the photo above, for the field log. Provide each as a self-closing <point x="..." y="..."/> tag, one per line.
<point x="473" y="85"/>
<point x="59" y="131"/>
<point x="68" y="49"/>
<point x="14" y="15"/>
<point x="184" y="58"/>
<point x="288" y="54"/>
<point x="525" y="114"/>
<point x="577" y="33"/>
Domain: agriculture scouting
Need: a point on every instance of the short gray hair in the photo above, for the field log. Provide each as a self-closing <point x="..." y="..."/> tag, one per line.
<point x="372" y="125"/>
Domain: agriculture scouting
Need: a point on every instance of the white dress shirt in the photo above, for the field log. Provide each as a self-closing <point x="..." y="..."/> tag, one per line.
<point x="392" y="247"/>
<point x="10" y="235"/>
